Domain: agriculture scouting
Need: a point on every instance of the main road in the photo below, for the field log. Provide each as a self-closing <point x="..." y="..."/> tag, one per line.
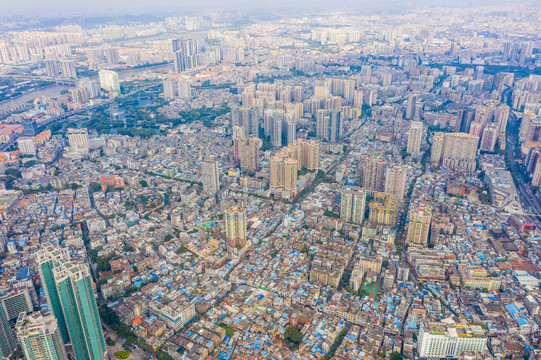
<point x="528" y="201"/>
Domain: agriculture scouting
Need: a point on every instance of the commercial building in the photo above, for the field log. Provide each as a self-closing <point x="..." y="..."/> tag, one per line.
<point x="16" y="302"/>
<point x="71" y="299"/>
<point x="7" y="341"/>
<point x="441" y="340"/>
<point x="40" y="337"/>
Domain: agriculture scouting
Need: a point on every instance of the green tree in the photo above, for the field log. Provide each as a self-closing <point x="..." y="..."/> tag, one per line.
<point x="13" y="172"/>
<point x="162" y="355"/>
<point x="94" y="187"/>
<point x="293" y="334"/>
<point x="30" y="163"/>
<point x="395" y="355"/>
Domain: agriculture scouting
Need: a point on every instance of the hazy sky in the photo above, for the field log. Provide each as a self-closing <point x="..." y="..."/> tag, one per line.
<point x="50" y="8"/>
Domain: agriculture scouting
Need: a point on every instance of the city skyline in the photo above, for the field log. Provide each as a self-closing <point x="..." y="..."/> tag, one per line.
<point x="287" y="180"/>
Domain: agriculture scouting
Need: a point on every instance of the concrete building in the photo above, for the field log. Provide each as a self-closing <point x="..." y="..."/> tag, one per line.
<point x="419" y="225"/>
<point x="477" y="277"/>
<point x="71" y="299"/>
<point x="16" y="302"/>
<point x="373" y="174"/>
<point x="210" y="176"/>
<point x="395" y="180"/>
<point x="352" y="206"/>
<point x="27" y="146"/>
<point x="249" y="153"/>
<point x="40" y="337"/>
<point x="383" y="209"/>
<point x="235" y="227"/>
<point x="441" y="340"/>
<point x="411" y="107"/>
<point x="329" y="125"/>
<point x="415" y="137"/>
<point x="109" y="80"/>
<point x="455" y="150"/>
<point x="283" y="172"/>
<point x="78" y="140"/>
<point x="7" y="340"/>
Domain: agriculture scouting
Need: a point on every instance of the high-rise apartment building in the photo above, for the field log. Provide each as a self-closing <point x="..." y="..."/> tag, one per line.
<point x="26" y="145"/>
<point x="415" y="137"/>
<point x="47" y="259"/>
<point x="235" y="227"/>
<point x="78" y="139"/>
<point x="490" y="137"/>
<point x="454" y="150"/>
<point x="437" y="148"/>
<point x="383" y="209"/>
<point x="92" y="87"/>
<point x="419" y="225"/>
<point x="286" y="163"/>
<point x="71" y="299"/>
<point x="353" y="205"/>
<point x="109" y="80"/>
<point x="169" y="89"/>
<point x="373" y="174"/>
<point x="329" y="126"/>
<point x="7" y="340"/>
<point x="276" y="133"/>
<point x="247" y="117"/>
<point x="52" y="68"/>
<point x="16" y="302"/>
<point x="210" y="176"/>
<point x="283" y="172"/>
<point x="249" y="153"/>
<point x="79" y="95"/>
<point x="395" y="180"/>
<point x="40" y="337"/>
<point x="411" y="106"/>
<point x="291" y="131"/>
<point x="67" y="69"/>
<point x="186" y="54"/>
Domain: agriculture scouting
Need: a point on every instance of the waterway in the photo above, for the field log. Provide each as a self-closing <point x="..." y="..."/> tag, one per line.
<point x="53" y="90"/>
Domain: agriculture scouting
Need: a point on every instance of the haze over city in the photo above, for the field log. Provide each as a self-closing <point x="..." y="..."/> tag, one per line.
<point x="352" y="180"/>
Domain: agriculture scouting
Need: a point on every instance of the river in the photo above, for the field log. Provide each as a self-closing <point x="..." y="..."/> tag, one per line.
<point x="53" y="90"/>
